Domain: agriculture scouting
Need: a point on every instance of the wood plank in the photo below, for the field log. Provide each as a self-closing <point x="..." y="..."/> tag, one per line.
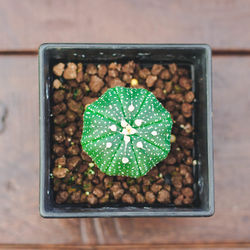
<point x="231" y="222"/>
<point x="19" y="153"/>
<point x="202" y="246"/>
<point x="223" y="24"/>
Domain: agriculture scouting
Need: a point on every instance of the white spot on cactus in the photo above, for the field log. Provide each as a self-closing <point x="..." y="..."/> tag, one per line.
<point x="132" y="131"/>
<point x="138" y="122"/>
<point x="129" y="130"/>
<point x="139" y="144"/>
<point x="131" y="108"/>
<point x="113" y="128"/>
<point x="126" y="139"/>
<point x="124" y="123"/>
<point x="124" y="131"/>
<point x="108" y="145"/>
<point x="154" y="133"/>
<point x="125" y="160"/>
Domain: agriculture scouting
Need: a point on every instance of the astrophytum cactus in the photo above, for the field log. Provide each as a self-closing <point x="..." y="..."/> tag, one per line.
<point x="126" y="132"/>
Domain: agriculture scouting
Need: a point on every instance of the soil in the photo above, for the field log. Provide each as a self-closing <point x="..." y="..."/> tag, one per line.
<point x="76" y="179"/>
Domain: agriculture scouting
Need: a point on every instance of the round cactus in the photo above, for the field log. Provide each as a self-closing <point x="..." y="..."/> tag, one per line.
<point x="126" y="132"/>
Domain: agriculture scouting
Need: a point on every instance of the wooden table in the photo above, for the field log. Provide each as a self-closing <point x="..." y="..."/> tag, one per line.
<point x="223" y="24"/>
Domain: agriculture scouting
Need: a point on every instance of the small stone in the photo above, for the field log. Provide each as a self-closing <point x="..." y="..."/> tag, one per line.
<point x="127" y="78"/>
<point x="96" y="84"/>
<point x="128" y="198"/>
<point x="140" y="198"/>
<point x="150" y="81"/>
<point x="165" y="74"/>
<point x="144" y="73"/>
<point x="91" y="69"/>
<point x="156" y="69"/>
<point x="150" y="197"/>
<point x="70" y="72"/>
<point x="57" y="84"/>
<point x="92" y="200"/>
<point x="163" y="196"/>
<point x="102" y="70"/>
<point x="58" y="69"/>
<point x="60" y="172"/>
<point x="98" y="192"/>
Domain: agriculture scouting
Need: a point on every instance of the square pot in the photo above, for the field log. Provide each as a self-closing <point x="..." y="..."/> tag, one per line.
<point x="195" y="56"/>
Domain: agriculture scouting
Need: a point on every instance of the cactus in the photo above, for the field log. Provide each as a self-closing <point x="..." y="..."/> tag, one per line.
<point x="126" y="132"/>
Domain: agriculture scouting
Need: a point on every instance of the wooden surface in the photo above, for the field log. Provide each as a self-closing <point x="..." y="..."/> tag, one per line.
<point x="203" y="246"/>
<point x="222" y="24"/>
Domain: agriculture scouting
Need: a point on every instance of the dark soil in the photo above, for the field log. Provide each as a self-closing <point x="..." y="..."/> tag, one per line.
<point x="76" y="179"/>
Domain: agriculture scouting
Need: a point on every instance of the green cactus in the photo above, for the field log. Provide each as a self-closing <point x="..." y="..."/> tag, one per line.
<point x="126" y="132"/>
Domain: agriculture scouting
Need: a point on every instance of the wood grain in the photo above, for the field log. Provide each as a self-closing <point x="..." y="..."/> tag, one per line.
<point x="202" y="246"/>
<point x="223" y="24"/>
<point x="19" y="153"/>
<point x="231" y="221"/>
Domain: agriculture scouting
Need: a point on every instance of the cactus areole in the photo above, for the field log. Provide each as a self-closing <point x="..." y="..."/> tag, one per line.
<point x="126" y="132"/>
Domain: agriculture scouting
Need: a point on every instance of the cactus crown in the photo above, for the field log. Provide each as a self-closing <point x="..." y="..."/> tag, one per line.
<point x="126" y="132"/>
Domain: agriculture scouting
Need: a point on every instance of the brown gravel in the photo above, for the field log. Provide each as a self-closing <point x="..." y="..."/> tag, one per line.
<point x="140" y="198"/>
<point x="61" y="161"/>
<point x="163" y="196"/>
<point x="156" y="69"/>
<point x="102" y="70"/>
<point x="58" y="96"/>
<point x="92" y="199"/>
<point x="144" y="73"/>
<point x="91" y="69"/>
<point x="96" y="84"/>
<point x="155" y="188"/>
<point x="73" y="162"/>
<point x="98" y="192"/>
<point x="128" y="67"/>
<point x="114" y="82"/>
<point x="58" y="69"/>
<point x="165" y="75"/>
<point x="76" y="179"/>
<point x="117" y="191"/>
<point x="150" y="197"/>
<point x="57" y="84"/>
<point x="189" y="96"/>
<point x="70" y="72"/>
<point x="74" y="106"/>
<point x="159" y="94"/>
<point x="60" y="172"/>
<point x="150" y="81"/>
<point x="186" y="109"/>
<point x="185" y="82"/>
<point x="62" y="196"/>
<point x="128" y="198"/>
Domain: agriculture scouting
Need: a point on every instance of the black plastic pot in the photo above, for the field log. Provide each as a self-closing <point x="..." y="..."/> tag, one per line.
<point x="197" y="57"/>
